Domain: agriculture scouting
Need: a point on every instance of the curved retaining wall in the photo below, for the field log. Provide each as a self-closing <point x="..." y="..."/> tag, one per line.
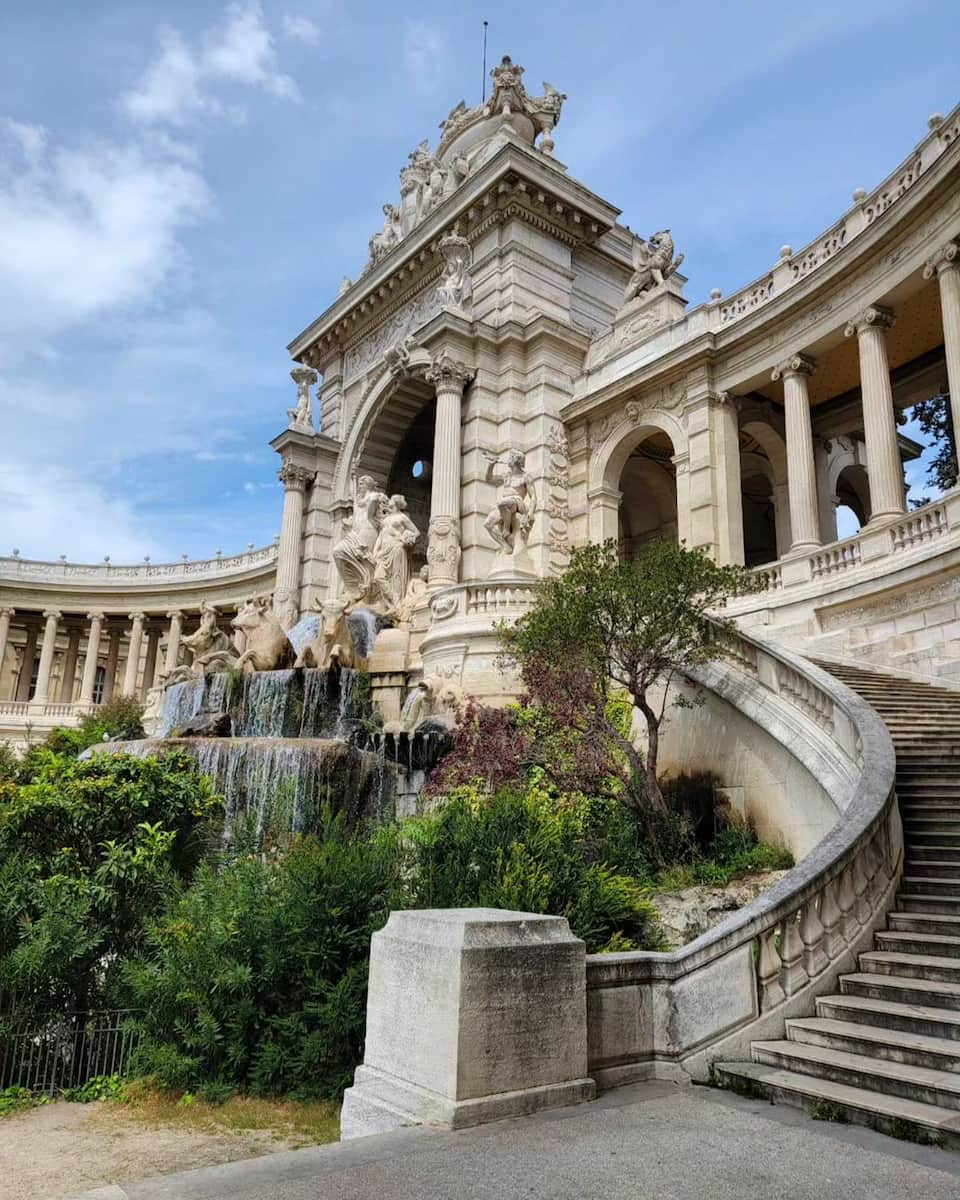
<point x="671" y="1015"/>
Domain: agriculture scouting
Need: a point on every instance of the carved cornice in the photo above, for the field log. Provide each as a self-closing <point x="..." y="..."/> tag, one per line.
<point x="446" y="373"/>
<point x="294" y="477"/>
<point x="945" y="259"/>
<point x="873" y="317"/>
<point x="796" y="364"/>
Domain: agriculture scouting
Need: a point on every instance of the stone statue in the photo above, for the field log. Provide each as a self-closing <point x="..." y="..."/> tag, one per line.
<point x="510" y="522"/>
<point x="455" y="288"/>
<point x="416" y="591"/>
<point x="383" y="242"/>
<point x="301" y="417"/>
<point x="209" y="647"/>
<point x="416" y="707"/>
<point x="391" y="553"/>
<point x="333" y="646"/>
<point x="353" y="554"/>
<point x="653" y="262"/>
<point x="264" y="638"/>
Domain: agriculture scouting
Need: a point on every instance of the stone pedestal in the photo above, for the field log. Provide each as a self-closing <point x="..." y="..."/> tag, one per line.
<point x="518" y="565"/>
<point x="473" y="1015"/>
<point x="648" y="311"/>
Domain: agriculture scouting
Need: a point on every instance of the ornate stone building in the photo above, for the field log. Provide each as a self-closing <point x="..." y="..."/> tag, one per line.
<point x="525" y="372"/>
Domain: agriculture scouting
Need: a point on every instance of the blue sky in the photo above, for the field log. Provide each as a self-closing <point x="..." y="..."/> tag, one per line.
<point x="183" y="184"/>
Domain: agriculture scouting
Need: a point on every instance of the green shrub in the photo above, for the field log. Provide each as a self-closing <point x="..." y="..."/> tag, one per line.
<point x="118" y="719"/>
<point x="100" y="1087"/>
<point x="255" y="977"/>
<point x="529" y="852"/>
<point x="16" y="1099"/>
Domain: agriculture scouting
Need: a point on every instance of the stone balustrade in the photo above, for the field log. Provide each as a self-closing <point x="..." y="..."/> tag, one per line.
<point x="13" y="568"/>
<point x="873" y="553"/>
<point x="651" y="1014"/>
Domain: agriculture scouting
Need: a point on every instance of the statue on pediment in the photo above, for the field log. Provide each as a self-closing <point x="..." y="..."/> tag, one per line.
<point x="653" y="262"/>
<point x="383" y="242"/>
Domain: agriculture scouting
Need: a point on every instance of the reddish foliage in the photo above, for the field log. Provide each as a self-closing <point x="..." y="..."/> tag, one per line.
<point x="487" y="745"/>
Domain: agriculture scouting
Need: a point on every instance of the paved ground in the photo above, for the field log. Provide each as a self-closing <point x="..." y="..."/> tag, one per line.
<point x="649" y="1142"/>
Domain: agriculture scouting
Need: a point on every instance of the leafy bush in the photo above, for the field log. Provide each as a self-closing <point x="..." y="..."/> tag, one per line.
<point x="89" y="851"/>
<point x="526" y="851"/>
<point x="100" y="1087"/>
<point x="256" y="975"/>
<point x="118" y="719"/>
<point x="16" y="1099"/>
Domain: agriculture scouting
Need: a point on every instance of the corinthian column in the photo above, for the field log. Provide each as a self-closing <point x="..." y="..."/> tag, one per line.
<point x="5" y="616"/>
<point x="70" y="665"/>
<point x="449" y="377"/>
<point x="801" y="467"/>
<point x="113" y="658"/>
<point x="89" y="680"/>
<point x="945" y="264"/>
<point x="173" y="640"/>
<point x="52" y="618"/>
<point x="884" y="469"/>
<point x="150" y="663"/>
<point x="286" y="596"/>
<point x="133" y="654"/>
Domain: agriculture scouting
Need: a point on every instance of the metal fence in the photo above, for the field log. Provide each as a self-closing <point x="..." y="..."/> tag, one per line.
<point x="66" y="1050"/>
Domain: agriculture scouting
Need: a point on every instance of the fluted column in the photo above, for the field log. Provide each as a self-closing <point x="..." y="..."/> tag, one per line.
<point x="801" y="465"/>
<point x="113" y="657"/>
<point x="6" y="615"/>
<point x="173" y="640"/>
<point x="49" y="645"/>
<point x="70" y="665"/>
<point x="150" y="663"/>
<point x="449" y="377"/>
<point x="133" y="654"/>
<point x="884" y="469"/>
<point x="89" y="680"/>
<point x="945" y="264"/>
<point x="286" y="596"/>
<point x="26" y="666"/>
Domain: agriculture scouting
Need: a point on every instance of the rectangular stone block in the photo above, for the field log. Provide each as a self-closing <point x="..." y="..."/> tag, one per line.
<point x="472" y="1015"/>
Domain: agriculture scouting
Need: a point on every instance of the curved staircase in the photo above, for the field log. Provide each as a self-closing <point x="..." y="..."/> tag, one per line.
<point x="884" y="1050"/>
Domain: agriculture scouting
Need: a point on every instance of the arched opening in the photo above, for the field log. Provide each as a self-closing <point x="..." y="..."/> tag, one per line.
<point x="852" y="500"/>
<point x="759" y="515"/>
<point x="648" y="495"/>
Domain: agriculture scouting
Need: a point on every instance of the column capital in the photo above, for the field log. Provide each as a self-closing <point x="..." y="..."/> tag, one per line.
<point x="174" y="614"/>
<point x="8" y="612"/>
<point x="52" y="614"/>
<point x="875" y="316"/>
<point x="947" y="258"/>
<point x="449" y="373"/>
<point x="137" y="617"/>
<point x="796" y="364"/>
<point x="294" y="477"/>
<point x="95" y="616"/>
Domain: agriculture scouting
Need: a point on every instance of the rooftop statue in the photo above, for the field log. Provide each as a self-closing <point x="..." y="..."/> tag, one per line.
<point x="466" y="139"/>
<point x="653" y="262"/>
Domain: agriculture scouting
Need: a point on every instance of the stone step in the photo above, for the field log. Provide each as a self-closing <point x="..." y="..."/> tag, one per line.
<point x="892" y="1045"/>
<point x="937" y="923"/>
<point x="921" y="1084"/>
<point x="931" y="829"/>
<point x="927" y="992"/>
<point x="915" y="902"/>
<point x="930" y="807"/>
<point x="924" y="1019"/>
<point x="911" y="966"/>
<point x="937" y="868"/>
<point x="911" y="941"/>
<point x="935" y="789"/>
<point x="931" y="885"/>
<point x="888" y="1114"/>
<point x="946" y="851"/>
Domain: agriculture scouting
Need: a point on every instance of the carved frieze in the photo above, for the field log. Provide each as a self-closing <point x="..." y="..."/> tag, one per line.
<point x="407" y="320"/>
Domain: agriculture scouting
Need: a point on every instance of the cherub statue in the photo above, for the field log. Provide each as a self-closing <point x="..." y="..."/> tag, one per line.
<point x="510" y="522"/>
<point x="653" y="262"/>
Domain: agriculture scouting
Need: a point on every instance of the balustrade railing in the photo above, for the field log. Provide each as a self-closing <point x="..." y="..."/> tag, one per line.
<point x="923" y="525"/>
<point x="740" y="980"/>
<point x="15" y="568"/>
<point x="835" y="559"/>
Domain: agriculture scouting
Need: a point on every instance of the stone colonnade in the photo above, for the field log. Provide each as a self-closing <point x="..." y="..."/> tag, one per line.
<point x="85" y="658"/>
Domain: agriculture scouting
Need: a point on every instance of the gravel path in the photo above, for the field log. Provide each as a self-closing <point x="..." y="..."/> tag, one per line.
<point x="60" y="1149"/>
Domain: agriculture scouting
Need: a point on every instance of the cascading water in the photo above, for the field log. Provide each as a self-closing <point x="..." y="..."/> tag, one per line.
<point x="301" y="739"/>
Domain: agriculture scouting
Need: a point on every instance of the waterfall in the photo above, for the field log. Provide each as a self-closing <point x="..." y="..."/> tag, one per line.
<point x="181" y="703"/>
<point x="264" y="705"/>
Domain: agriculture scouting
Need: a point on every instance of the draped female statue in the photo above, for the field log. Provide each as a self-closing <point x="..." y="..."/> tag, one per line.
<point x="353" y="554"/>
<point x="398" y="535"/>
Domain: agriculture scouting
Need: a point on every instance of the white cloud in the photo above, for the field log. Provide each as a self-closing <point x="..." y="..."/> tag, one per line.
<point x="83" y="230"/>
<point x="302" y="29"/>
<point x="426" y="52"/>
<point x="178" y="84"/>
<point x="68" y="515"/>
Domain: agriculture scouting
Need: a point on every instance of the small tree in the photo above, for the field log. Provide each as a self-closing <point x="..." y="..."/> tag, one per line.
<point x="934" y="418"/>
<point x="606" y="627"/>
